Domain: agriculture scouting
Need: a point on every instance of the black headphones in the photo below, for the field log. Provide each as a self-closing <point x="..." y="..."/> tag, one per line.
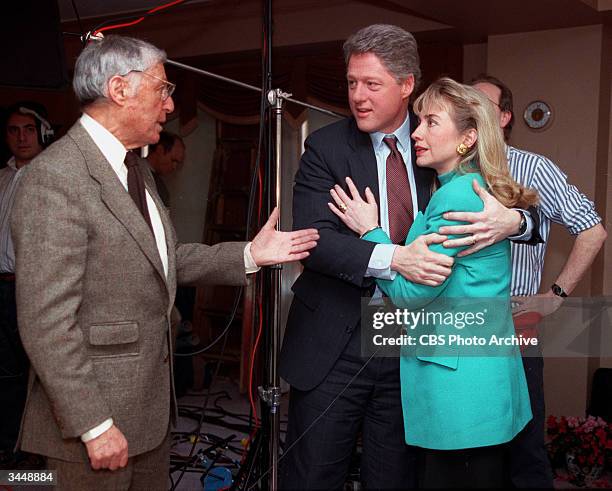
<point x="45" y="131"/>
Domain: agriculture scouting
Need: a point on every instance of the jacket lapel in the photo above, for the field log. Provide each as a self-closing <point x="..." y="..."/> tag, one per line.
<point x="116" y="198"/>
<point x="362" y="161"/>
<point x="168" y="229"/>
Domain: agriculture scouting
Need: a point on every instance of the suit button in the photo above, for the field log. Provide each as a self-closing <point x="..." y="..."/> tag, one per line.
<point x="166" y="359"/>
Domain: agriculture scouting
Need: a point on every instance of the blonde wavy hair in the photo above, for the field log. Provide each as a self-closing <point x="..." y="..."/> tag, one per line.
<point x="470" y="109"/>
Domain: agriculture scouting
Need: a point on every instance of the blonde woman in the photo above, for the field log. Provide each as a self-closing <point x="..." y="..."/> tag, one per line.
<point x="462" y="409"/>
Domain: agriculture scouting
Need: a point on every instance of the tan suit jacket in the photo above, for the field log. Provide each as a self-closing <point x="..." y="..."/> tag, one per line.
<point x="94" y="303"/>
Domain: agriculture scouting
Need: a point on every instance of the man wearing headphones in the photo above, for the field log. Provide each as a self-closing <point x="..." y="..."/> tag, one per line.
<point x="27" y="132"/>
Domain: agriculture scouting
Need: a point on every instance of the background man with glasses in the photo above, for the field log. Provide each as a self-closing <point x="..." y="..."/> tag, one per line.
<point x="97" y="269"/>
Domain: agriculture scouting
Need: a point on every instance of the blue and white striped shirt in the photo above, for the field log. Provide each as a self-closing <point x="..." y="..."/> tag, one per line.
<point x="559" y="202"/>
<point x="9" y="177"/>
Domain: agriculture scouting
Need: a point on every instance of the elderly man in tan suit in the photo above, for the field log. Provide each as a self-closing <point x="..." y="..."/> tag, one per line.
<point x="97" y="268"/>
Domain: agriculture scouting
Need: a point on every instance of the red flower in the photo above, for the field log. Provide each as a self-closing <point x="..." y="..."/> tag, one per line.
<point x="589" y="439"/>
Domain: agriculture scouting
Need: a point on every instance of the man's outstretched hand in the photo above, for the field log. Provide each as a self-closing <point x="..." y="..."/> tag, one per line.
<point x="271" y="246"/>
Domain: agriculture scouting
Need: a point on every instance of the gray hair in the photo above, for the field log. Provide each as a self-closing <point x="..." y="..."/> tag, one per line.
<point x="103" y="59"/>
<point x="396" y="48"/>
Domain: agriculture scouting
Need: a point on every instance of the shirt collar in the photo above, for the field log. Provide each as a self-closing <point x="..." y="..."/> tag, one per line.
<point x="12" y="163"/>
<point x="402" y="134"/>
<point x="112" y="149"/>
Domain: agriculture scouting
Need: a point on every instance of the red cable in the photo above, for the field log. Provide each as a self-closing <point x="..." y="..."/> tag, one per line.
<point x="137" y="21"/>
<point x="117" y="26"/>
<point x="254" y="352"/>
<point x="255" y="346"/>
<point x="258" y="337"/>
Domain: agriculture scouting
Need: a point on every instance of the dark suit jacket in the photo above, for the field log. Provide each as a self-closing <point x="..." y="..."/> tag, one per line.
<point x="326" y="307"/>
<point x="327" y="296"/>
<point x="94" y="303"/>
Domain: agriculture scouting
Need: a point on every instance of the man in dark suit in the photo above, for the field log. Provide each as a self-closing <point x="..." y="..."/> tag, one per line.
<point x="165" y="157"/>
<point x="335" y="391"/>
<point x="97" y="263"/>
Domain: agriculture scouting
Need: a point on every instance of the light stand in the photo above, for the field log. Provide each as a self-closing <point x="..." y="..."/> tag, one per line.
<point x="271" y="394"/>
<point x="285" y="96"/>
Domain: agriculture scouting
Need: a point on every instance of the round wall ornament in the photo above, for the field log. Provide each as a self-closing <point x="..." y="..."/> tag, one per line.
<point x="537" y="115"/>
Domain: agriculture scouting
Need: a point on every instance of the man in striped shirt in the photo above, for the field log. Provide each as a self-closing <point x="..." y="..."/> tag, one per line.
<point x="562" y="203"/>
<point x="26" y="133"/>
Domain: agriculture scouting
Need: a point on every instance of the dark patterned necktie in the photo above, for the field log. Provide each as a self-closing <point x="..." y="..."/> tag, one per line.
<point x="399" y="198"/>
<point x="136" y="186"/>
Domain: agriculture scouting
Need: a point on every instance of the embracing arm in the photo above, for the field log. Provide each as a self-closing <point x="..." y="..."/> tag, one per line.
<point x="407" y="293"/>
<point x="402" y="291"/>
<point x="415" y="262"/>
<point x="339" y="252"/>
<point x="494" y="223"/>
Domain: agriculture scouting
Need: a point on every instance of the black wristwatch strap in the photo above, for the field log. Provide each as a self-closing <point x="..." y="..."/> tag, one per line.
<point x="557" y="290"/>
<point x="523" y="225"/>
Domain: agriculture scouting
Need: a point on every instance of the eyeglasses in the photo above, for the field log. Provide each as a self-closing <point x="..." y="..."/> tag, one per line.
<point x="496" y="104"/>
<point x="166" y="90"/>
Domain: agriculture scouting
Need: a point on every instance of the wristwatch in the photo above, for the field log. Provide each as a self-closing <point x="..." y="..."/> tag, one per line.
<point x="523" y="226"/>
<point x="557" y="290"/>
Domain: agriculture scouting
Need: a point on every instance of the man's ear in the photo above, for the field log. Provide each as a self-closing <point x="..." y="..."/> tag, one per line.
<point x="407" y="86"/>
<point x="505" y="118"/>
<point x="118" y="89"/>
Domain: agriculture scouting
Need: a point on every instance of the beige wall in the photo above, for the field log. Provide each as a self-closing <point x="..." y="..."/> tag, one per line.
<point x="561" y="67"/>
<point x="474" y="60"/>
<point x="188" y="186"/>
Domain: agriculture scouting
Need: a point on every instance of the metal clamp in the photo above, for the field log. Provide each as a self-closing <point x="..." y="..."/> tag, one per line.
<point x="271" y="396"/>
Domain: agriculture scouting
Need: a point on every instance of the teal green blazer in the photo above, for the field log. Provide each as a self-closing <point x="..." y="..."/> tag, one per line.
<point x="456" y="397"/>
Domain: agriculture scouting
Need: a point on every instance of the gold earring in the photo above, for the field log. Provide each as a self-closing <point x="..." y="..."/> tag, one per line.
<point x="462" y="149"/>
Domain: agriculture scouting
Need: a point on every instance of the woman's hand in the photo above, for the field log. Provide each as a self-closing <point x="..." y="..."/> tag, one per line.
<point x="358" y="215"/>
